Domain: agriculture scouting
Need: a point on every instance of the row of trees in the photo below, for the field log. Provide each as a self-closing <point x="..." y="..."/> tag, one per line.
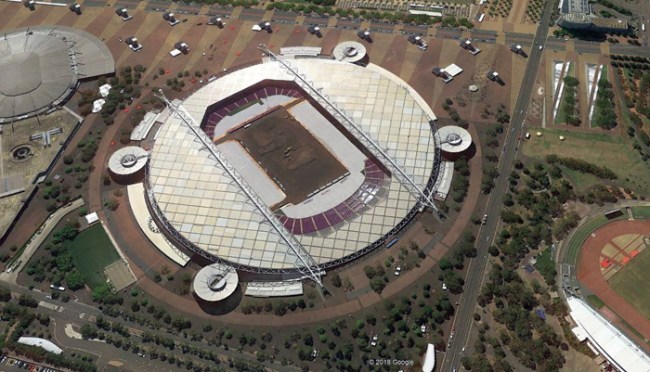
<point x="604" y="111"/>
<point x="569" y="101"/>
<point x="582" y="166"/>
<point x="460" y="181"/>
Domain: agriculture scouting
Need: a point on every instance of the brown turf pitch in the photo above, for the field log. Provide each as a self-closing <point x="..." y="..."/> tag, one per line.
<point x="290" y="155"/>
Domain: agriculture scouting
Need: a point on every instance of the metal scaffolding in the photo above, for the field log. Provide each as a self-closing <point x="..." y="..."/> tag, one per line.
<point x="398" y="172"/>
<point x="309" y="267"/>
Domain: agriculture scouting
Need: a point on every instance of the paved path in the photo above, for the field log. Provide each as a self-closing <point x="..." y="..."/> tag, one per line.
<point x="38" y="239"/>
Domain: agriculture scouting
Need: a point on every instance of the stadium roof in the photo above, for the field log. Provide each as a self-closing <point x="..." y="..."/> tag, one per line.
<point x="200" y="201"/>
<point x="614" y="345"/>
<point x="40" y="67"/>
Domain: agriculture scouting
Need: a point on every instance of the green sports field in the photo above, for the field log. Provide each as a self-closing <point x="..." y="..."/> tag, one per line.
<point x="641" y="212"/>
<point x="632" y="282"/>
<point x="92" y="251"/>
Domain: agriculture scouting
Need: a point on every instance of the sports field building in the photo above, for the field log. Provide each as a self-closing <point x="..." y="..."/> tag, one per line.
<point x="289" y="167"/>
<point x="604" y="339"/>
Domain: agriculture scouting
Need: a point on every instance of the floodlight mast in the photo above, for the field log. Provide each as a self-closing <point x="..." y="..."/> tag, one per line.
<point x="403" y="178"/>
<point x="305" y="258"/>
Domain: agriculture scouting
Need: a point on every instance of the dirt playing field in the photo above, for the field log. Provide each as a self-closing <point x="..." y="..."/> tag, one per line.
<point x="294" y="159"/>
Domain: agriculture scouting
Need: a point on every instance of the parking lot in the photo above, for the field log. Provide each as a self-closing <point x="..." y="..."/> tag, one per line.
<point x="13" y="364"/>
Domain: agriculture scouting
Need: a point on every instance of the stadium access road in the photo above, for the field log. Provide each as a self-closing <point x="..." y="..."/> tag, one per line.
<point x="474" y="280"/>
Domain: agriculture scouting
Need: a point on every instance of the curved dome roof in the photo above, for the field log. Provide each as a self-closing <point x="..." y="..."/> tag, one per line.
<point x="41" y="66"/>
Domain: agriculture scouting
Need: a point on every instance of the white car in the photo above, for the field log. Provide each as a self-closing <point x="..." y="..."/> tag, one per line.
<point x="398" y="270"/>
<point x="541" y="47"/>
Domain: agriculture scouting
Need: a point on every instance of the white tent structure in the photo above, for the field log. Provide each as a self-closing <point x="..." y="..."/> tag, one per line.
<point x="429" y="359"/>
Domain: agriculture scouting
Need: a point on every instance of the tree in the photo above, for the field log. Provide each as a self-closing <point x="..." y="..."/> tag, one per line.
<point x="74" y="280"/>
<point x="445" y="264"/>
<point x="27" y="301"/>
<point x="377" y="284"/>
<point x="370" y="271"/>
<point x="102" y="293"/>
<point x="336" y="281"/>
<point x="88" y="331"/>
<point x="509" y="216"/>
<point x="5" y="294"/>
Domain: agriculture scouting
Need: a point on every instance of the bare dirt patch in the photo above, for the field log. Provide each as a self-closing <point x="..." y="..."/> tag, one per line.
<point x="289" y="154"/>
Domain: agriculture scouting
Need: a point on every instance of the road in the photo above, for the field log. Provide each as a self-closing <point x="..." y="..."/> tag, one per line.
<point x="79" y="313"/>
<point x="488" y="36"/>
<point x="463" y="320"/>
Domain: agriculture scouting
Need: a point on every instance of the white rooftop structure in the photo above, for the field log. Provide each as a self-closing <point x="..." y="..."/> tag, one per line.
<point x="619" y="350"/>
<point x="274" y="289"/>
<point x="429" y="359"/>
<point x="215" y="282"/>
<point x="42" y="343"/>
<point x="454" y="139"/>
<point x="141" y="131"/>
<point x="201" y="203"/>
<point x="453" y="69"/>
<point x="98" y="104"/>
<point x="128" y="160"/>
<point x="349" y="51"/>
<point x="91" y="218"/>
<point x="302" y="51"/>
<point x="104" y="90"/>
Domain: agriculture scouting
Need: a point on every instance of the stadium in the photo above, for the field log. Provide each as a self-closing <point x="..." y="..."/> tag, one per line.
<point x="290" y="167"/>
<point x="41" y="67"/>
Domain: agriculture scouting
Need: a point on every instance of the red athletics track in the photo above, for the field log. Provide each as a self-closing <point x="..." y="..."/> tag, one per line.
<point x="590" y="276"/>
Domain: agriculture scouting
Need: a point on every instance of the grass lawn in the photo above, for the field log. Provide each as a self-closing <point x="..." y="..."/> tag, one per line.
<point x="579" y="237"/>
<point x="632" y="282"/>
<point x="641" y="212"/>
<point x="92" y="251"/>
<point x="579" y="180"/>
<point x="595" y="301"/>
<point x="545" y="263"/>
<point x="611" y="151"/>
